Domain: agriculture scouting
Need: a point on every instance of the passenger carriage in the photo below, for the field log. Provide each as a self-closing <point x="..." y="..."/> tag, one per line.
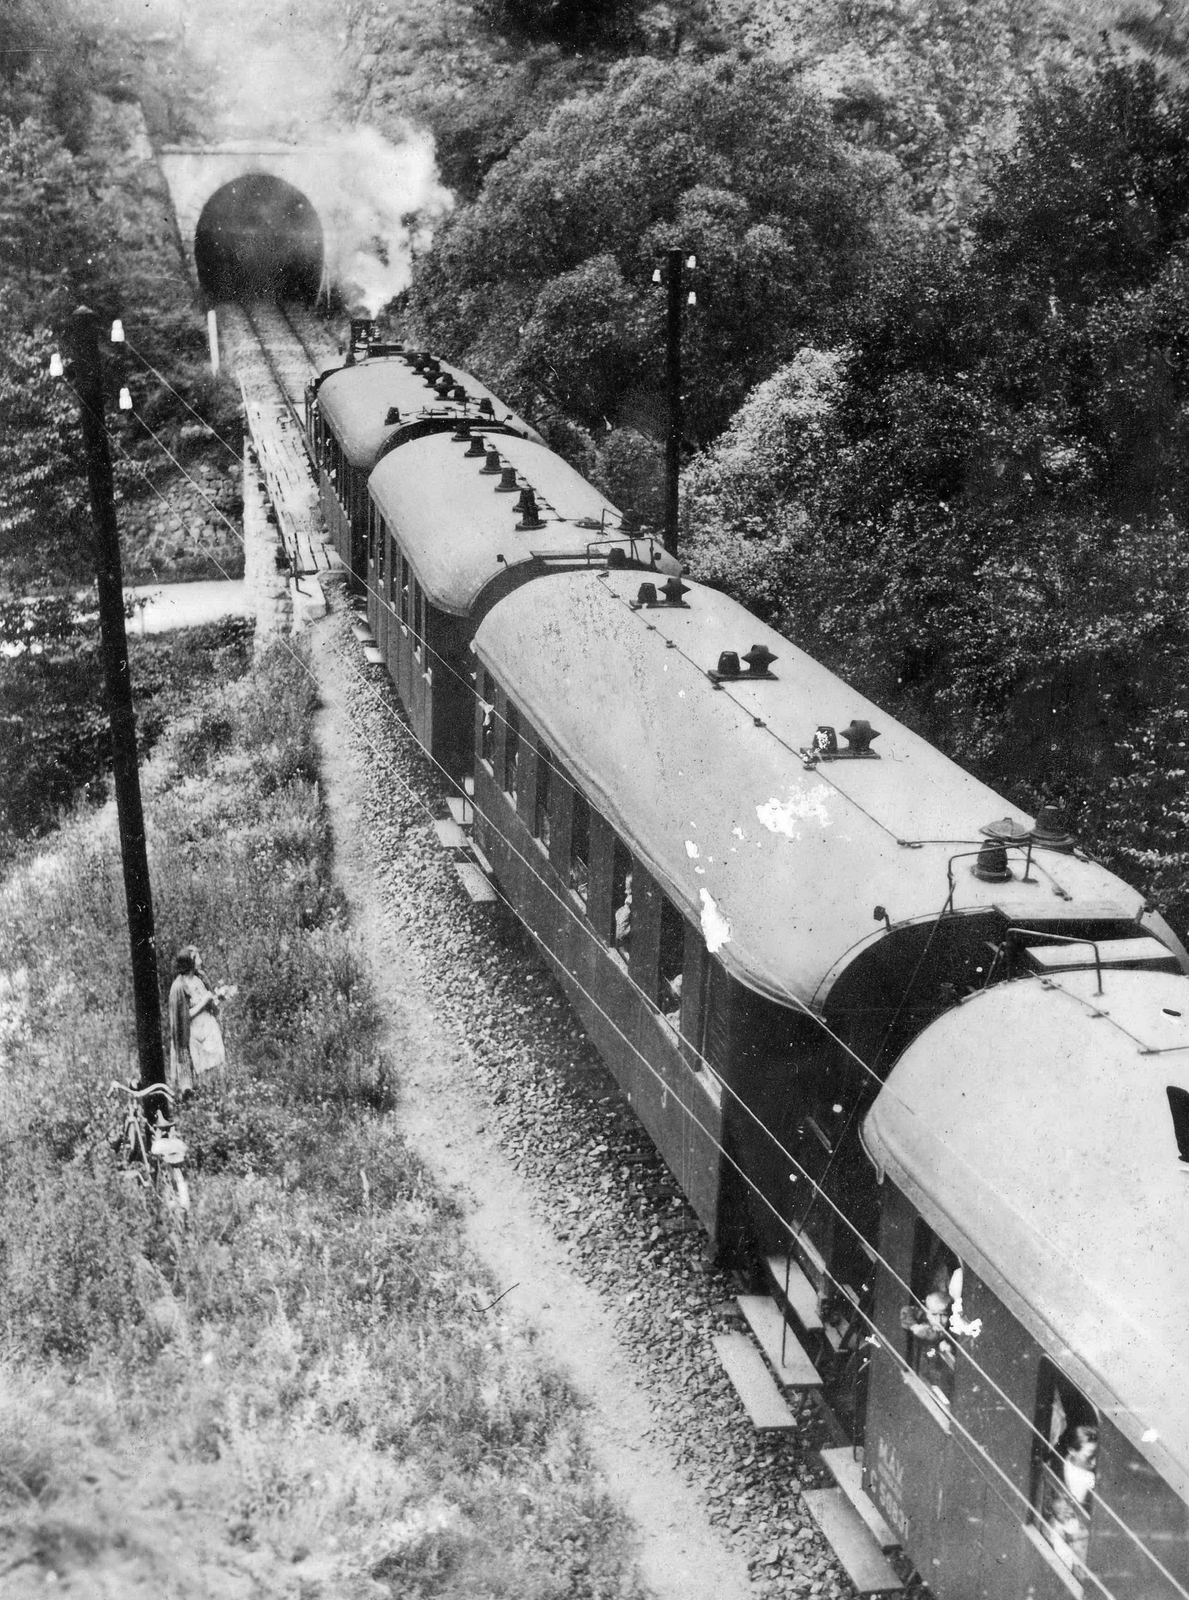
<point x="459" y="520"/>
<point x="1031" y="1137"/>
<point x="386" y="395"/>
<point x="802" y="903"/>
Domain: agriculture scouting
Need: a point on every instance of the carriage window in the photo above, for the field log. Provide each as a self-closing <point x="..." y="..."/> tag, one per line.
<point x="487" y="707"/>
<point x="671" y="963"/>
<point x="416" y="618"/>
<point x="937" y="1289"/>
<point x="404" y="591"/>
<point x="580" y="847"/>
<point x="620" y="937"/>
<point x="371" y="525"/>
<point x="1064" y="1469"/>
<point x="423" y="620"/>
<point x="542" y="827"/>
<point x="377" y="529"/>
<point x="511" y="750"/>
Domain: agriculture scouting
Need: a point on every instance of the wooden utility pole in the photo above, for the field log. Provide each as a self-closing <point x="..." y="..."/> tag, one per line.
<point x="88" y="382"/>
<point x="673" y="384"/>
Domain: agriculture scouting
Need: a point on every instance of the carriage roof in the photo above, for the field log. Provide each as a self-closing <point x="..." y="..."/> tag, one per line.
<point x="459" y="534"/>
<point x="1031" y="1129"/>
<point x="354" y="401"/>
<point x="782" y="865"/>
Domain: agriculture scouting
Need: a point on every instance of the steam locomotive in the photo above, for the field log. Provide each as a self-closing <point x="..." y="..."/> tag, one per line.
<point x="915" y="1059"/>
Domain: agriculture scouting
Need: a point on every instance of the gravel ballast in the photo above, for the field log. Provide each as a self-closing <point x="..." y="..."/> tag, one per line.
<point x="594" y="1176"/>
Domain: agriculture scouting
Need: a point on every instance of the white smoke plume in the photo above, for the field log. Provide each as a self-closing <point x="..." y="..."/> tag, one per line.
<point x="378" y="202"/>
<point x="281" y="70"/>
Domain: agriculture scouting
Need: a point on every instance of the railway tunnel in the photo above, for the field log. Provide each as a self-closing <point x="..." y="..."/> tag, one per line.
<point x="258" y="237"/>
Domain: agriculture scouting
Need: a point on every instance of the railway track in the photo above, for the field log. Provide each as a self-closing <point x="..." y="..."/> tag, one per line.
<point x="274" y="350"/>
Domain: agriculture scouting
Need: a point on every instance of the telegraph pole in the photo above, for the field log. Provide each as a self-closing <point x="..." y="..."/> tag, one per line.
<point x="673" y="384"/>
<point x="88" y="381"/>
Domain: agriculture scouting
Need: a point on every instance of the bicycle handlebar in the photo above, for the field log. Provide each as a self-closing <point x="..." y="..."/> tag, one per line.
<point x="141" y="1094"/>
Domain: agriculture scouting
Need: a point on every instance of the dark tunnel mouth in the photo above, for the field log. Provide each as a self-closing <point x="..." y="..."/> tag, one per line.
<point x="259" y="238"/>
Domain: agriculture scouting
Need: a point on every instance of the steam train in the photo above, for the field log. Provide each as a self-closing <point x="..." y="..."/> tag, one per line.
<point x="914" y="1058"/>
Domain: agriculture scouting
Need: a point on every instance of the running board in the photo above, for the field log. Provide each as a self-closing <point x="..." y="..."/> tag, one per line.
<point x="754" y="1384"/>
<point x="848" y="1474"/>
<point x="852" y="1542"/>
<point x="779" y="1343"/>
<point x="797" y="1290"/>
<point x="474" y="882"/>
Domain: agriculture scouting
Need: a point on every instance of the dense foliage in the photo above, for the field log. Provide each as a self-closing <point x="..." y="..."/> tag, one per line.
<point x="545" y="286"/>
<point x="975" y="503"/>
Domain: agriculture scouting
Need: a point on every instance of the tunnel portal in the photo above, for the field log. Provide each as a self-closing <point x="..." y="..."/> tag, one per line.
<point x="259" y="238"/>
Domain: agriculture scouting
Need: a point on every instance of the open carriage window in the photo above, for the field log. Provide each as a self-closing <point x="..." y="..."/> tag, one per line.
<point x="487" y="710"/>
<point x="928" y="1322"/>
<point x="1064" y="1469"/>
<point x="580" y="847"/>
<point x="511" y="751"/>
<point x="542" y="810"/>
<point x="620" y="932"/>
<point x="671" y="963"/>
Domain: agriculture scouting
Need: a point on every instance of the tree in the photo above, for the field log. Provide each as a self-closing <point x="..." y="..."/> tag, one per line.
<point x="983" y="515"/>
<point x="543" y="284"/>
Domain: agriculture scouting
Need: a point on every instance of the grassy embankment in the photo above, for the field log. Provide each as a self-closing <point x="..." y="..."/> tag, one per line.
<point x="305" y="1395"/>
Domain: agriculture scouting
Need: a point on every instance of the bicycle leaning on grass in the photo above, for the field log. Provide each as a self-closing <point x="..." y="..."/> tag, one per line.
<point x="152" y="1152"/>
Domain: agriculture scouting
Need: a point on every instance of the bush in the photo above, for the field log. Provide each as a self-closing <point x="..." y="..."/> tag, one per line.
<point x="544" y="284"/>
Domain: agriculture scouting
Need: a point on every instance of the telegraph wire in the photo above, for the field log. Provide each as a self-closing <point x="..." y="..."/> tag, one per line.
<point x="698" y="1055"/>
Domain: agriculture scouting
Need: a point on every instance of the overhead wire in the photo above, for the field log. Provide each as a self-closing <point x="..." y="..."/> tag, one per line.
<point x="590" y="932"/>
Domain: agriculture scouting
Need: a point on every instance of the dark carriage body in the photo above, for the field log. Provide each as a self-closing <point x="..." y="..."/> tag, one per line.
<point x="758" y="873"/>
<point x="1028" y="1134"/>
<point x="358" y="413"/>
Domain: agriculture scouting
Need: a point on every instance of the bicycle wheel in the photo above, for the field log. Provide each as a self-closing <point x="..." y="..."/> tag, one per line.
<point x="174" y="1193"/>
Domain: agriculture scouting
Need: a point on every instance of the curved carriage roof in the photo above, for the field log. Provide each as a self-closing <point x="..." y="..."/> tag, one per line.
<point x="356" y="400"/>
<point x="459" y="533"/>
<point x="1049" y="1162"/>
<point x="782" y="865"/>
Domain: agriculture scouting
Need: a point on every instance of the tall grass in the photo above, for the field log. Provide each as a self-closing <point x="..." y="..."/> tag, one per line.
<point x="309" y="1370"/>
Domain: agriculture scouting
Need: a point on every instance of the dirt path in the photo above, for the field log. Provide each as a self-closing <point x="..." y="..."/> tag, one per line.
<point x="444" y="1116"/>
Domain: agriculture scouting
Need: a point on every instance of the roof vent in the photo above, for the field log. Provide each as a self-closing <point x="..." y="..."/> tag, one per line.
<point x="493" y="468"/>
<point x="392" y="416"/>
<point x="416" y="359"/>
<point x="759" y="658"/>
<point x="728" y="666"/>
<point x="617" y="556"/>
<point x="1051" y="831"/>
<point x="1178" y="1104"/>
<point x="991" y="865"/>
<point x="1008" y="830"/>
<point x="529" y="515"/>
<point x="459" y="393"/>
<point x="672" y="591"/>
<point x="507" y="483"/>
<point x="431" y="366"/>
<point x="527" y="501"/>
<point x="478" y="447"/>
<point x="462" y="431"/>
<point x="443" y="383"/>
<point x="860" y="736"/>
<point x="486" y="409"/>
